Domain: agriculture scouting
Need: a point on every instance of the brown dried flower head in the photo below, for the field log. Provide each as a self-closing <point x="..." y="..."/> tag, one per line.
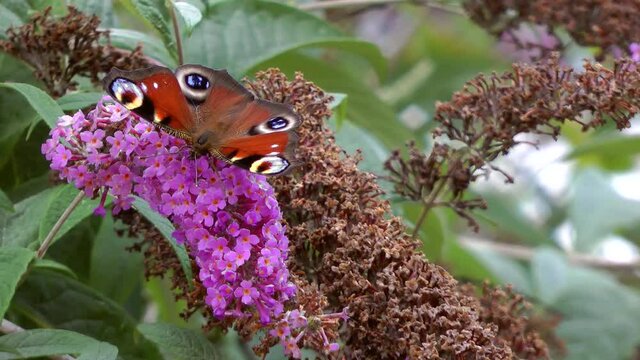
<point x="346" y="244"/>
<point x="60" y="49"/>
<point x="517" y="323"/>
<point x="483" y="120"/>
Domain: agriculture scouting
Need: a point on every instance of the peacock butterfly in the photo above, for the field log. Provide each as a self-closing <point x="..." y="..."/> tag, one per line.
<point x="213" y="112"/>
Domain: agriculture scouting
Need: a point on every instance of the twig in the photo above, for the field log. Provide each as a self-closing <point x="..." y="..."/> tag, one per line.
<point x="520" y="252"/>
<point x="428" y="205"/>
<point x="7" y="327"/>
<point x="56" y="227"/>
<point x="176" y="31"/>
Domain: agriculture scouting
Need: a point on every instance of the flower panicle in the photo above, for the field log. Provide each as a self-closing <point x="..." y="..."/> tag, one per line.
<point x="485" y="118"/>
<point x="59" y="49"/>
<point x="228" y="218"/>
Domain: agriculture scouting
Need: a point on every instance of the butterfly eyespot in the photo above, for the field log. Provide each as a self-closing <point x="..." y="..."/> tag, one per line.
<point x="197" y="82"/>
<point x="269" y="165"/>
<point x="277" y="123"/>
<point x="127" y="93"/>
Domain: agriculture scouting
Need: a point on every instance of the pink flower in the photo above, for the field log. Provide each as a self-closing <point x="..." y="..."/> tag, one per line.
<point x="246" y="292"/>
<point x="634" y="48"/>
<point x="227" y="217"/>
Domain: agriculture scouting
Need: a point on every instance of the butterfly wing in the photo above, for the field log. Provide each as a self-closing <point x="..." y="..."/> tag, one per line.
<point x="155" y="95"/>
<point x="254" y="134"/>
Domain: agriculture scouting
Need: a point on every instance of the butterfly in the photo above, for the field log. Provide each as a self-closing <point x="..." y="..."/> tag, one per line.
<point x="213" y="112"/>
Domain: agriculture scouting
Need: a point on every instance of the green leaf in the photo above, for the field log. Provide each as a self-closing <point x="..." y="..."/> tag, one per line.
<point x="19" y="228"/>
<point x="5" y="202"/>
<point x="42" y="103"/>
<point x="16" y="112"/>
<point x="365" y="109"/>
<point x="118" y="283"/>
<point x="179" y="343"/>
<point x="50" y="342"/>
<point x="74" y="249"/>
<point x="601" y="317"/>
<point x="597" y="210"/>
<point x="101" y="8"/>
<point x="152" y="47"/>
<point x="155" y="12"/>
<point x="159" y="292"/>
<point x="17" y="7"/>
<point x="7" y="19"/>
<point x="58" y="203"/>
<point x="434" y="229"/>
<point x="239" y="35"/>
<point x="52" y="265"/>
<point x="166" y="228"/>
<point x="7" y="349"/>
<point x="189" y="13"/>
<point x="78" y="100"/>
<point x="505" y="215"/>
<point x="607" y="149"/>
<point x="507" y="270"/>
<point x="607" y="146"/>
<point x="15" y="261"/>
<point x="464" y="264"/>
<point x="54" y="300"/>
<point x="338" y="108"/>
<point x="22" y="163"/>
<point x="549" y="272"/>
<point x="351" y="138"/>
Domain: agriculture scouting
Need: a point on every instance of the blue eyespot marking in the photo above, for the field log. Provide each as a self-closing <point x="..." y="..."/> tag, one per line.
<point x="197" y="82"/>
<point x="277" y="123"/>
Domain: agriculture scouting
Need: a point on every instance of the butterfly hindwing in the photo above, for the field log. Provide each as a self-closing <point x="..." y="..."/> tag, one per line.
<point x="266" y="154"/>
<point x="155" y="95"/>
<point x="251" y="133"/>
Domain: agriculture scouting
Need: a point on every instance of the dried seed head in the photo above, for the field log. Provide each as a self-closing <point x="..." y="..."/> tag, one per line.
<point x="59" y="49"/>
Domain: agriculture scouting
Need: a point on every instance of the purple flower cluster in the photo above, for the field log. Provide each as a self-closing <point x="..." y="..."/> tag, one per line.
<point x="295" y="326"/>
<point x="634" y="50"/>
<point x="228" y="217"/>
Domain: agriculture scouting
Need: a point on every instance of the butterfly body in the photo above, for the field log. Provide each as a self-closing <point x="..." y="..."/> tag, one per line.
<point x="211" y="111"/>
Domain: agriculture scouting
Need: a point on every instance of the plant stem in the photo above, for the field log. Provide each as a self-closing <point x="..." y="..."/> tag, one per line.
<point x="7" y="327"/>
<point x="428" y="205"/>
<point x="56" y="227"/>
<point x="176" y="33"/>
<point x="421" y="218"/>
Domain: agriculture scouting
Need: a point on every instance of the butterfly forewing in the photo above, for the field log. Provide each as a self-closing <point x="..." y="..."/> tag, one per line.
<point x="155" y="95"/>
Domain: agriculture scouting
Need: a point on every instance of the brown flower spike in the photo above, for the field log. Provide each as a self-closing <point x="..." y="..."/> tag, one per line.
<point x="347" y="252"/>
<point x="484" y="118"/>
<point x="59" y="49"/>
<point x="345" y="243"/>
